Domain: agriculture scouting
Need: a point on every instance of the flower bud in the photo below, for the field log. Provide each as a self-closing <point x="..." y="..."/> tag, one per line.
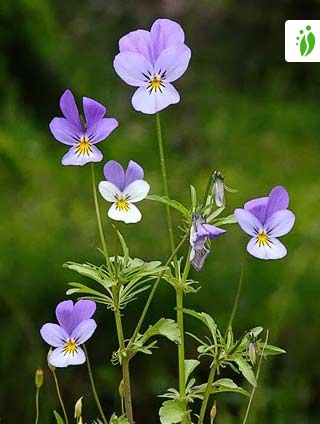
<point x="78" y="410"/>
<point x="218" y="189"/>
<point x="252" y="348"/>
<point x="39" y="378"/>
<point x="121" y="389"/>
<point x="213" y="412"/>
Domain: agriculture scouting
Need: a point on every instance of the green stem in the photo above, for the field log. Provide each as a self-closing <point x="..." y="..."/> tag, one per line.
<point x="152" y="293"/>
<point x="166" y="190"/>
<point x="257" y="377"/>
<point x="216" y="360"/>
<point x="60" y="397"/>
<point x="93" y="386"/>
<point x="181" y="354"/>
<point x="125" y="363"/>
<point x="37" y="406"/>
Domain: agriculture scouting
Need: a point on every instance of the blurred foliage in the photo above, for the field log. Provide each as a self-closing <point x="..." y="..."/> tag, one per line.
<point x="244" y="111"/>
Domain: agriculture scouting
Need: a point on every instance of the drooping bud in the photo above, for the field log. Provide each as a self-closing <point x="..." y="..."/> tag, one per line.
<point x="213" y="412"/>
<point x="39" y="378"/>
<point x="252" y="348"/>
<point x="218" y="189"/>
<point x="78" y="410"/>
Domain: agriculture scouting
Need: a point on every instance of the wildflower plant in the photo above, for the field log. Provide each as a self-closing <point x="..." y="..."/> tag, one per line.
<point x="152" y="60"/>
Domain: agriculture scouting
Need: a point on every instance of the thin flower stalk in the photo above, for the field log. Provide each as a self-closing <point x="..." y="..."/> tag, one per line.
<point x="56" y="382"/>
<point x="37" y="406"/>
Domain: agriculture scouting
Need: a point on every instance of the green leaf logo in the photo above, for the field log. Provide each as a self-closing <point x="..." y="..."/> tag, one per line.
<point x="306" y="40"/>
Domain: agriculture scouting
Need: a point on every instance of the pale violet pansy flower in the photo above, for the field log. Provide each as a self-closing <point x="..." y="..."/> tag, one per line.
<point x="265" y="219"/>
<point x="124" y="188"/>
<point x="152" y="60"/>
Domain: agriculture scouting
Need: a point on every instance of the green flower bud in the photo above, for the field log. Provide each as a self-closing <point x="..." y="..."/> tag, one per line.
<point x="78" y="409"/>
<point x="213" y="412"/>
<point x="39" y="378"/>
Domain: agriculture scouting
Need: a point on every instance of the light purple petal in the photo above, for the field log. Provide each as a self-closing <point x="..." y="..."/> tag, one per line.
<point x="280" y="223"/>
<point x="82" y="311"/>
<point x="208" y="230"/>
<point x="53" y="334"/>
<point x="257" y="207"/>
<point x="247" y="221"/>
<point x="64" y="314"/>
<point x="150" y="103"/>
<point x="59" y="359"/>
<point x="198" y="257"/>
<point x="134" y="172"/>
<point x="278" y="199"/>
<point x="133" y="68"/>
<point x="274" y="250"/>
<point x="93" y="111"/>
<point x="65" y="132"/>
<point x="69" y="109"/>
<point x="173" y="61"/>
<point x="165" y="33"/>
<point x="114" y="173"/>
<point x="101" y="129"/>
<point x="83" y="331"/>
<point x="73" y="158"/>
<point x="137" y="42"/>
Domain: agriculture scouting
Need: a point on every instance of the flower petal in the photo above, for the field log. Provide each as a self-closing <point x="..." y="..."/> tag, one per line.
<point x="109" y="191"/>
<point x="93" y="111"/>
<point x="74" y="158"/>
<point x="60" y="359"/>
<point x="69" y="109"/>
<point x="101" y="129"/>
<point x="274" y="250"/>
<point x="137" y="191"/>
<point x="150" y="103"/>
<point x="83" y="331"/>
<point x="114" y="173"/>
<point x="278" y="199"/>
<point x="130" y="216"/>
<point x="134" y="172"/>
<point x="280" y="223"/>
<point x="138" y="42"/>
<point x="65" y="132"/>
<point x="83" y="310"/>
<point x="247" y="221"/>
<point x="198" y="257"/>
<point x="208" y="230"/>
<point x="53" y="334"/>
<point x="133" y="68"/>
<point x="64" y="314"/>
<point x="173" y="61"/>
<point x="257" y="207"/>
<point x="164" y="34"/>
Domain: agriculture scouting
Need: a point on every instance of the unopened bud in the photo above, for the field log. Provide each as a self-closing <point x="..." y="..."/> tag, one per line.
<point x="121" y="389"/>
<point x="213" y="412"/>
<point x="78" y="409"/>
<point x="218" y="189"/>
<point x="51" y="367"/>
<point x="39" y="378"/>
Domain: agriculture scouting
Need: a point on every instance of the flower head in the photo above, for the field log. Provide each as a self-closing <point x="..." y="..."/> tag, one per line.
<point x="200" y="234"/>
<point x="123" y="189"/>
<point x="82" y="137"/>
<point x="152" y="60"/>
<point x="265" y="219"/>
<point x="75" y="328"/>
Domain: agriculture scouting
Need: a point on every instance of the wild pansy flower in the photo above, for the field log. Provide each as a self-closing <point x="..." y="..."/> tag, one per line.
<point x="75" y="328"/>
<point x="265" y="219"/>
<point x="81" y="136"/>
<point x="200" y="234"/>
<point x="151" y="60"/>
<point x="123" y="189"/>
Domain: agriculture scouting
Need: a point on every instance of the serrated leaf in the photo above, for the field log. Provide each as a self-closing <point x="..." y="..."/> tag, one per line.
<point x="246" y="371"/>
<point x="172" y="412"/>
<point x="189" y="366"/>
<point x="58" y="418"/>
<point x="164" y="327"/>
<point x="170" y="202"/>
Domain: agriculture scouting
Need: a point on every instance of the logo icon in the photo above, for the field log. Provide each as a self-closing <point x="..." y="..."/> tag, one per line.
<point x="306" y="41"/>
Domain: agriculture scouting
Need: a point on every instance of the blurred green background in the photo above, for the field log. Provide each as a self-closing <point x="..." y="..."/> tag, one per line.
<point x="244" y="111"/>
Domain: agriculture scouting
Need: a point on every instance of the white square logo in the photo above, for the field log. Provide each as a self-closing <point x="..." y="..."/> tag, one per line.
<point x="302" y="41"/>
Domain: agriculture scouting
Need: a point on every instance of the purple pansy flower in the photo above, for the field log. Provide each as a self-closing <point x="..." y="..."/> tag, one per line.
<point x="265" y="219"/>
<point x="82" y="137"/>
<point x="75" y="328"/>
<point x="200" y="234"/>
<point x="151" y="60"/>
<point x="123" y="189"/>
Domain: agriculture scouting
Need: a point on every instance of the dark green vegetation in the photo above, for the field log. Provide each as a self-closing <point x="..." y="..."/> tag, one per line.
<point x="244" y="110"/>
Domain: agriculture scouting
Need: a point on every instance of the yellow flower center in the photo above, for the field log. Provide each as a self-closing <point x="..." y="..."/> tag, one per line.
<point x="83" y="146"/>
<point x="122" y="204"/>
<point x="155" y="84"/>
<point x="70" y="347"/>
<point x="263" y="239"/>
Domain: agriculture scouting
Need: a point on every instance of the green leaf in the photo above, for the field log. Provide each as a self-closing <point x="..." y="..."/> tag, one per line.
<point x="205" y="318"/>
<point x="214" y="214"/>
<point x="221" y="386"/>
<point x="307" y="44"/>
<point x="230" y="219"/>
<point x="170" y="202"/>
<point x="271" y="350"/>
<point x="172" y="412"/>
<point x="124" y="246"/>
<point x="246" y="371"/>
<point x="58" y="418"/>
<point x="189" y="366"/>
<point x="194" y="200"/>
<point x="164" y="327"/>
<point x="118" y="420"/>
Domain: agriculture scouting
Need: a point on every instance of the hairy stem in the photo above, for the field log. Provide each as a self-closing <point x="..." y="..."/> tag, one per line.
<point x="37" y="406"/>
<point x="60" y="397"/>
<point x="93" y="386"/>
